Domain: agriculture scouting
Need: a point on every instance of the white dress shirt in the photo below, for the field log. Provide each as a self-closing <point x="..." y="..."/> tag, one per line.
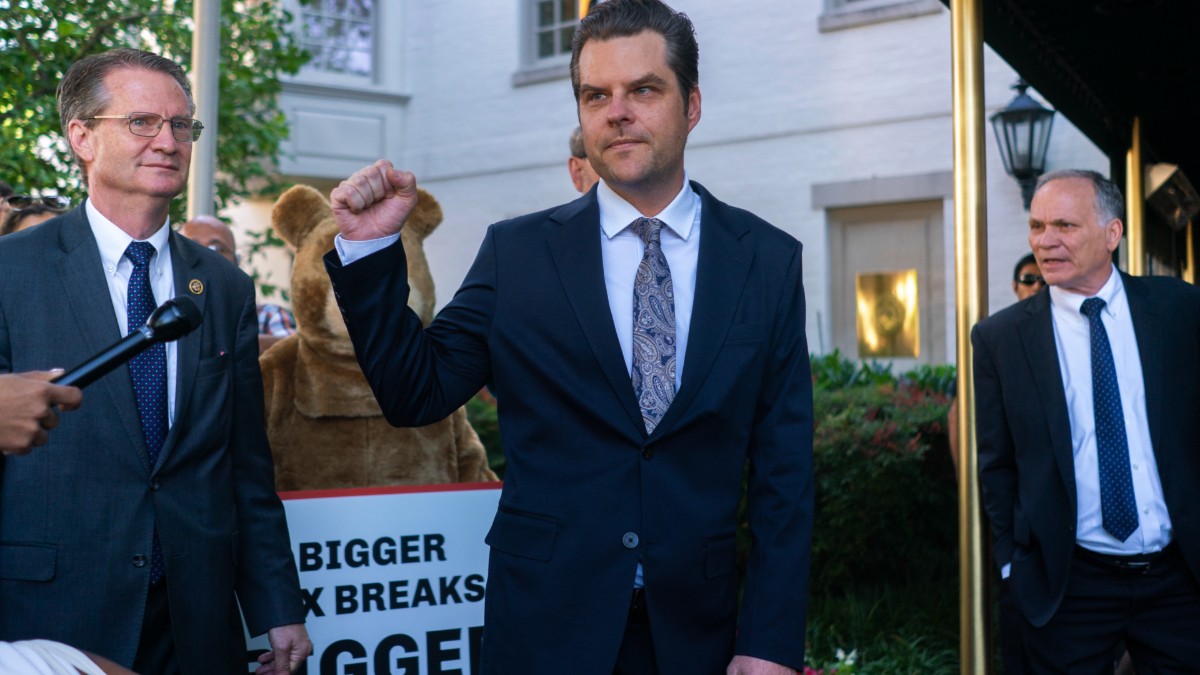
<point x="622" y="250"/>
<point x="113" y="241"/>
<point x="1072" y="338"/>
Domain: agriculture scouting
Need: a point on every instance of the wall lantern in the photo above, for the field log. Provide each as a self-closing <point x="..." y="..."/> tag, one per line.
<point x="1023" y="134"/>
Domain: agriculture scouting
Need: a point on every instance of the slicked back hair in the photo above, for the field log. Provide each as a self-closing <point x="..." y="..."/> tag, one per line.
<point x="627" y="18"/>
<point x="82" y="93"/>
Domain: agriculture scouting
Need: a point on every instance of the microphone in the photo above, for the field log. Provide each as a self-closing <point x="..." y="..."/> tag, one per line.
<point x="172" y="320"/>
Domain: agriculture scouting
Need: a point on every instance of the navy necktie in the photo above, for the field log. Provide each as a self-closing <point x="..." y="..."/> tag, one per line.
<point x="1118" y="507"/>
<point x="653" y="327"/>
<point x="148" y="371"/>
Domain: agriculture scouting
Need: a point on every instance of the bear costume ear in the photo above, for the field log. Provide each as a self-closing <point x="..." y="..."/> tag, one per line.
<point x="298" y="212"/>
<point x="426" y="217"/>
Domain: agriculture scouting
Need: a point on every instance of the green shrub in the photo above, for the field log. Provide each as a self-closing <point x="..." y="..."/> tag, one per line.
<point x="833" y="371"/>
<point x="939" y="379"/>
<point x="885" y="493"/>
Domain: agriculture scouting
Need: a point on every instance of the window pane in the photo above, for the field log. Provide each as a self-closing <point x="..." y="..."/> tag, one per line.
<point x="545" y="13"/>
<point x="567" y="34"/>
<point x="545" y="44"/>
<point x="568" y="11"/>
<point x="340" y="34"/>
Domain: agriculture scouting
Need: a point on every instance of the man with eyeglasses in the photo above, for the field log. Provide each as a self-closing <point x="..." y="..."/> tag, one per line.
<point x="151" y="513"/>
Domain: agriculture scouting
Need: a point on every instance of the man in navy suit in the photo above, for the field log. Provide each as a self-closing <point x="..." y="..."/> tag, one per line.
<point x="1087" y="420"/>
<point x="613" y="548"/>
<point x="150" y="513"/>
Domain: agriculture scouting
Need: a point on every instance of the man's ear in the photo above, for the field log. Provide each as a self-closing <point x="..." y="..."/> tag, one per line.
<point x="693" y="111"/>
<point x="80" y="136"/>
<point x="1112" y="234"/>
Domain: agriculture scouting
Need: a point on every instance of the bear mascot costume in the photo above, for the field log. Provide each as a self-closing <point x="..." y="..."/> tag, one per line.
<point x="325" y="428"/>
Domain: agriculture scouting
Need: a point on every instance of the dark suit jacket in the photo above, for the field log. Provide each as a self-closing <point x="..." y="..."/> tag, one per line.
<point x="587" y="493"/>
<point x="1026" y="464"/>
<point x="75" y="513"/>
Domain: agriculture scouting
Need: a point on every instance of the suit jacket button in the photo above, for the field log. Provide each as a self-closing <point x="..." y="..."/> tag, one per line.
<point x="648" y="453"/>
<point x="630" y="540"/>
<point x="154" y="485"/>
<point x="139" y="560"/>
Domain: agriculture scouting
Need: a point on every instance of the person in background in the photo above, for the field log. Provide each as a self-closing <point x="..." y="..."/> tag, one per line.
<point x="274" y="322"/>
<point x="6" y="191"/>
<point x="1027" y="278"/>
<point x="583" y="176"/>
<point x="150" y="518"/>
<point x="24" y="211"/>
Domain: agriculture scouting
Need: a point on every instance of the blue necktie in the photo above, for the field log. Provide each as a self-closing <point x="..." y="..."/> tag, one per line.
<point x="653" y="327"/>
<point x="148" y="371"/>
<point x="1117" y="504"/>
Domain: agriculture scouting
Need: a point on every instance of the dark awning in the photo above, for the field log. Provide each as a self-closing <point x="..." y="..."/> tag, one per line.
<point x="1102" y="62"/>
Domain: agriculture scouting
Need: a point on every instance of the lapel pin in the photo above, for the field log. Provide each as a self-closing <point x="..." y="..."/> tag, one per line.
<point x="196" y="286"/>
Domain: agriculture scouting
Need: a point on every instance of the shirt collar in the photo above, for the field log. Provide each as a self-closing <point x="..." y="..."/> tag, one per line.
<point x="1111" y="293"/>
<point x="113" y="241"/>
<point x="616" y="214"/>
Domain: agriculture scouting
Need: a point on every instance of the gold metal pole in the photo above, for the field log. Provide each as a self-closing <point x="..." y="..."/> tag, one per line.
<point x="970" y="295"/>
<point x="1135" y="201"/>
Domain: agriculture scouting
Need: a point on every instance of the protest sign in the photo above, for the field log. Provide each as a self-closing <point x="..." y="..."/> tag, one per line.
<point x="393" y="578"/>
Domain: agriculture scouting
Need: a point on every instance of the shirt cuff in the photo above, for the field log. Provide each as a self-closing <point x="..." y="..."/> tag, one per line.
<point x="1005" y="571"/>
<point x="348" y="250"/>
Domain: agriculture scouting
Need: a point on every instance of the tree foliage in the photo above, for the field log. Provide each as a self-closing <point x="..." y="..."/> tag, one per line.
<point x="40" y="39"/>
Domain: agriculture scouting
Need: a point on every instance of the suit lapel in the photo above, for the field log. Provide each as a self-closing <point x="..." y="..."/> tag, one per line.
<point x="190" y="276"/>
<point x="86" y="290"/>
<point x="1144" y="311"/>
<point x="1037" y="339"/>
<point x="724" y="264"/>
<point x="575" y="248"/>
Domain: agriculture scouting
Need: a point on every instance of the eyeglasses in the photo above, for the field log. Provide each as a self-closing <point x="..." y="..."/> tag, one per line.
<point x="52" y="202"/>
<point x="1030" y="279"/>
<point x="184" y="129"/>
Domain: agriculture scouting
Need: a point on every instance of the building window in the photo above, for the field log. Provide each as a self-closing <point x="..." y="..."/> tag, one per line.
<point x="555" y="23"/>
<point x="547" y="28"/>
<point x="840" y="14"/>
<point x="340" y="35"/>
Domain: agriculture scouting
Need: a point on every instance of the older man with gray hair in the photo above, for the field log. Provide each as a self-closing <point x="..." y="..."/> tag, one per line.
<point x="1086" y="410"/>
